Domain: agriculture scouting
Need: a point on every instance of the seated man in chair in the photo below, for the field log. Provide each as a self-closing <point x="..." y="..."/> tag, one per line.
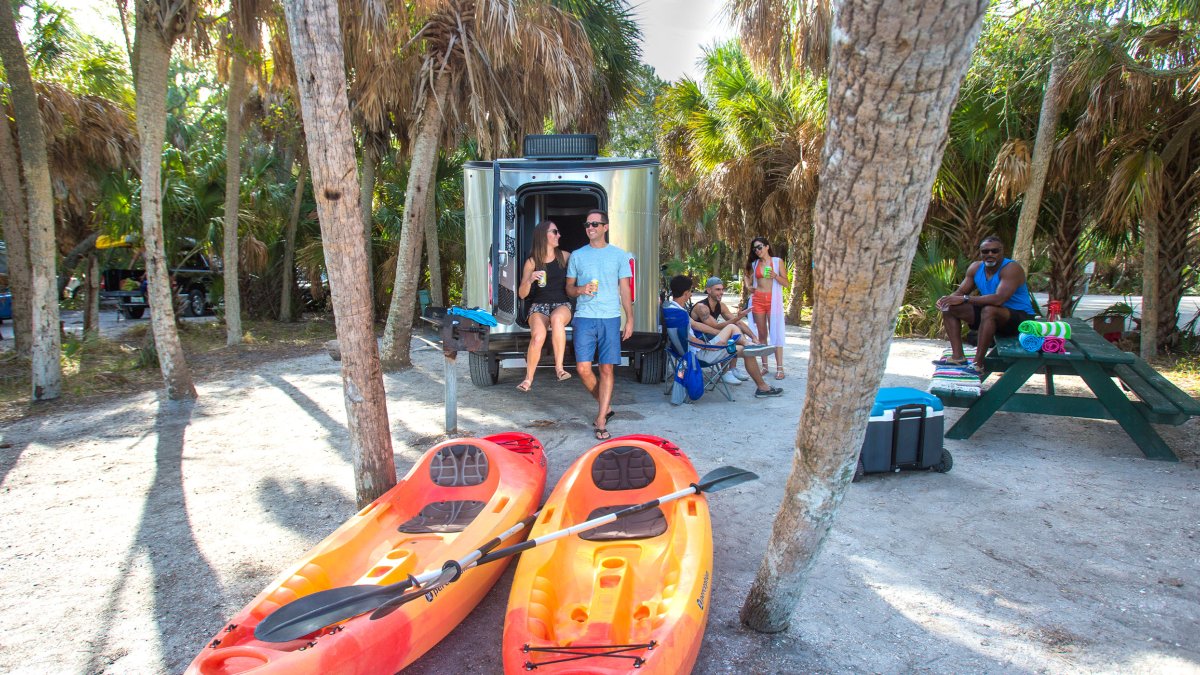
<point x="681" y="293"/>
<point x="712" y="312"/>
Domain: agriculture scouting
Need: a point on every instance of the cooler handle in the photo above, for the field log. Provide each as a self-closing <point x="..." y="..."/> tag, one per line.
<point x="908" y="411"/>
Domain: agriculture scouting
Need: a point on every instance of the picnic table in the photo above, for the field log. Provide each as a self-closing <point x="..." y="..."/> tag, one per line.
<point x="1095" y="360"/>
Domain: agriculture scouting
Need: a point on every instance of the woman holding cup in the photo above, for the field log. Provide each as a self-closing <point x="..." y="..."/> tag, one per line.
<point x="543" y="285"/>
<point x="767" y="277"/>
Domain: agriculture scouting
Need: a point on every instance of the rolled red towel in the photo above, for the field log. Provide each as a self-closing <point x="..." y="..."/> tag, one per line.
<point x="1054" y="345"/>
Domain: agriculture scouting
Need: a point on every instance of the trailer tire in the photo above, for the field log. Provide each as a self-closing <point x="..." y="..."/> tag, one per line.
<point x="654" y="367"/>
<point x="485" y="370"/>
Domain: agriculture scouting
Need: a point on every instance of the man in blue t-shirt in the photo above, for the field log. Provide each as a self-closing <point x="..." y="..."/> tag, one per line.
<point x="1002" y="304"/>
<point x="600" y="277"/>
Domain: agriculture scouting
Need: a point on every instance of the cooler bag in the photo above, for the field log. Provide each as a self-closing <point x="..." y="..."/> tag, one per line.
<point x="905" y="432"/>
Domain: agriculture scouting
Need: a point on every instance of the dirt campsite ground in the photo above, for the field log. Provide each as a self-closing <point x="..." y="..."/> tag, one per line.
<point x="130" y="530"/>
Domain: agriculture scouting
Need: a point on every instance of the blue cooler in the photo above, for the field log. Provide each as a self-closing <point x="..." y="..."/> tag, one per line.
<point x="905" y="432"/>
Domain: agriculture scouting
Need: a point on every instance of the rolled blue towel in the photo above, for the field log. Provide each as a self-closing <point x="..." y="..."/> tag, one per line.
<point x="1031" y="343"/>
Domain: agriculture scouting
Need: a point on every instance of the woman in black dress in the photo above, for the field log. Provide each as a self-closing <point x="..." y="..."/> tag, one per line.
<point x="543" y="284"/>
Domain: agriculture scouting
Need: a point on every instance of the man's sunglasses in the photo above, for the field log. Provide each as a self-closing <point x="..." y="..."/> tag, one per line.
<point x="989" y="251"/>
<point x="595" y="223"/>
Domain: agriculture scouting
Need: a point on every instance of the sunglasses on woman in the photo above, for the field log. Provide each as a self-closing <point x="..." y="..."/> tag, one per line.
<point x="758" y="247"/>
<point x="551" y="231"/>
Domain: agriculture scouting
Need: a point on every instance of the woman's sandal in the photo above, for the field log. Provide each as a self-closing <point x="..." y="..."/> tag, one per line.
<point x="601" y="434"/>
<point x="524" y="386"/>
<point x="779" y="373"/>
<point x="563" y="375"/>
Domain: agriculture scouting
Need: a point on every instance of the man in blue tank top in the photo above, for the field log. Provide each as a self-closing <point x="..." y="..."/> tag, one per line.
<point x="999" y="308"/>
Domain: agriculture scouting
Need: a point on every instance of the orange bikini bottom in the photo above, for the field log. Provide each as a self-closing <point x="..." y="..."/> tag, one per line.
<point x="761" y="303"/>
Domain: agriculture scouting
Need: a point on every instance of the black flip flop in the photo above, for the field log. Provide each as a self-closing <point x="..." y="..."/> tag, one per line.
<point x="610" y="414"/>
<point x="601" y="434"/>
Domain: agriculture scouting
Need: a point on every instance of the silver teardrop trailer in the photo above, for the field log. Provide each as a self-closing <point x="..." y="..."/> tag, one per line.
<point x="560" y="178"/>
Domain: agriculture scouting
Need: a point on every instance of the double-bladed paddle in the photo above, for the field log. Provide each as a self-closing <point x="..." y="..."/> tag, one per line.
<point x="313" y="612"/>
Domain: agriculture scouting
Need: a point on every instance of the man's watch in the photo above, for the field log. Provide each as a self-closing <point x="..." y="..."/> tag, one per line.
<point x="966" y="299"/>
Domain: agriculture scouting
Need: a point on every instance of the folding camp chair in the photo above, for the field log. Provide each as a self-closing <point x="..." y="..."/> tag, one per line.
<point x="679" y="327"/>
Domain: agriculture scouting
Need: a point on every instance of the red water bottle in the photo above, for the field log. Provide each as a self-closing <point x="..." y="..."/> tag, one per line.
<point x="1054" y="310"/>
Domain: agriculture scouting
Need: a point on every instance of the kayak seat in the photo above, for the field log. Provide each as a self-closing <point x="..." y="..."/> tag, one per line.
<point x="644" y="525"/>
<point x="459" y="466"/>
<point x="443" y="517"/>
<point x="623" y="468"/>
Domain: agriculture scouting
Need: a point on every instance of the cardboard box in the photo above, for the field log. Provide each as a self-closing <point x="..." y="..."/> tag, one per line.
<point x="1105" y="324"/>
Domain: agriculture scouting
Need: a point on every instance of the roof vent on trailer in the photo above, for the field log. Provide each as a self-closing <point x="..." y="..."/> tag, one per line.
<point x="561" y="146"/>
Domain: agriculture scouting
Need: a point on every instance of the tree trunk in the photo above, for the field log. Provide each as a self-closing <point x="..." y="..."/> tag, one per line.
<point x="71" y="260"/>
<point x="153" y="56"/>
<point x="91" y="298"/>
<point x="1175" y="254"/>
<point x="897" y="68"/>
<point x="370" y="160"/>
<point x="39" y="200"/>
<point x="317" y="51"/>
<point x="397" y="333"/>
<point x="236" y="95"/>
<point x="802" y="275"/>
<point x="286" y="311"/>
<point x="1150" y="272"/>
<point x="1039" y="164"/>
<point x="1064" y="255"/>
<point x="16" y="234"/>
<point x="433" y="251"/>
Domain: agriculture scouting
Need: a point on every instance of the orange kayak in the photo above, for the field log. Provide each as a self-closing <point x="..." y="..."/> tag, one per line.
<point x="627" y="597"/>
<point x="461" y="494"/>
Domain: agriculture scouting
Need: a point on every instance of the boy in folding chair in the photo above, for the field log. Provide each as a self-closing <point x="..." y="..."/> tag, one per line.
<point x="681" y="293"/>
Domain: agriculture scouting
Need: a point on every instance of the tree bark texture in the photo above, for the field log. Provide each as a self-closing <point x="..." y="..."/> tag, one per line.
<point x="370" y="161"/>
<point x="46" y="343"/>
<point x="91" y="298"/>
<point x="1064" y="253"/>
<point x="803" y="273"/>
<point x="153" y="56"/>
<point x="235" y="96"/>
<point x="433" y="251"/>
<point x="895" y="73"/>
<point x="16" y="235"/>
<point x="317" y="51"/>
<point x="287" y="312"/>
<point x="397" y="333"/>
<point x="1043" y="146"/>
<point x="1148" y="346"/>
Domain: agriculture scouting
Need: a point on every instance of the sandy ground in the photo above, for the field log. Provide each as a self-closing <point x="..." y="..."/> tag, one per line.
<point x="130" y="531"/>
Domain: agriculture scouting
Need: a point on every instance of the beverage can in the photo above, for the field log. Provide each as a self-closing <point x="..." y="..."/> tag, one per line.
<point x="766" y="271"/>
<point x="542" y="280"/>
<point x="595" y="285"/>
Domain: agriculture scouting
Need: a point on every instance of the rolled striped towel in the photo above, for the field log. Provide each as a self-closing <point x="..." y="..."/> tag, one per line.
<point x="1060" y="329"/>
<point x="1031" y="343"/>
<point x="1054" y="345"/>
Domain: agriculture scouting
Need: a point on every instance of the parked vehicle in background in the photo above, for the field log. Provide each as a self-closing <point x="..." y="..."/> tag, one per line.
<point x="560" y="178"/>
<point x="192" y="276"/>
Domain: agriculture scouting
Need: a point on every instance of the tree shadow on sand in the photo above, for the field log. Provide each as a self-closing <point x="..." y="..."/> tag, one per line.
<point x="184" y="612"/>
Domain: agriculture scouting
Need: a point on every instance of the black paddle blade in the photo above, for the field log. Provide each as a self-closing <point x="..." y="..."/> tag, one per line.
<point x="724" y="477"/>
<point x="433" y="587"/>
<point x="313" y="612"/>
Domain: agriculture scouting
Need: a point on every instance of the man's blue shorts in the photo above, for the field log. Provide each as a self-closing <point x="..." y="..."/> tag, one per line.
<point x="597" y="335"/>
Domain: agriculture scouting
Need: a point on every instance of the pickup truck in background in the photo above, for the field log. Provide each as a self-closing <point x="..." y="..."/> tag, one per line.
<point x="190" y="283"/>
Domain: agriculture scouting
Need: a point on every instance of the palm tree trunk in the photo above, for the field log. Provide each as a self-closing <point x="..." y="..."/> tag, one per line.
<point x="802" y="274"/>
<point x="286" y="311"/>
<point x="370" y="160"/>
<point x="1150" y="271"/>
<point x="1039" y="164"/>
<point x="1064" y="255"/>
<point x="433" y="252"/>
<point x="1175" y="253"/>
<point x="397" y="334"/>
<point x="16" y="234"/>
<point x="888" y="122"/>
<point x="91" y="298"/>
<point x="317" y="51"/>
<point x="153" y="56"/>
<point x="46" y="340"/>
<point x="235" y="96"/>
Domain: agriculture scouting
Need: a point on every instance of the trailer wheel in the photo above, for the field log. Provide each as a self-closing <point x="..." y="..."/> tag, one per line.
<point x="485" y="370"/>
<point x="654" y="367"/>
<point x="946" y="463"/>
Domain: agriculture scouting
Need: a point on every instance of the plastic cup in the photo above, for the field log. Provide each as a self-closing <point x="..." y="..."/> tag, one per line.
<point x="766" y="271"/>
